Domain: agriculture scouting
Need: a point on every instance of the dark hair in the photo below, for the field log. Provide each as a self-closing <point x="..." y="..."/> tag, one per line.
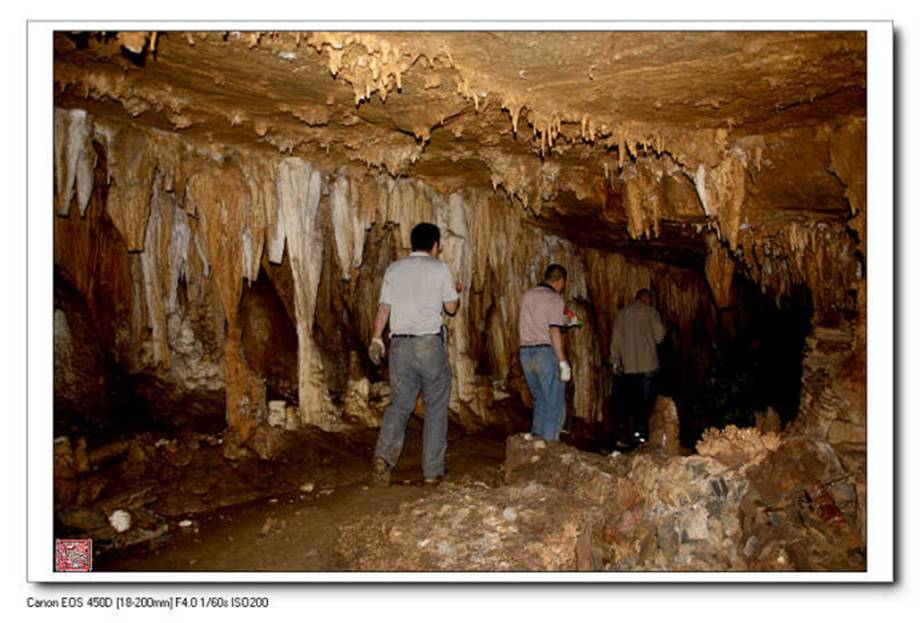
<point x="643" y="292"/>
<point x="554" y="272"/>
<point x="424" y="235"/>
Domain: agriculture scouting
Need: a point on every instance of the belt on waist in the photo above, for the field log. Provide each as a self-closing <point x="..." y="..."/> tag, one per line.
<point x="413" y="335"/>
<point x="536" y="346"/>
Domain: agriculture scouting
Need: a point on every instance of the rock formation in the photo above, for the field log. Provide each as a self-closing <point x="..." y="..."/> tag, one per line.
<point x="788" y="508"/>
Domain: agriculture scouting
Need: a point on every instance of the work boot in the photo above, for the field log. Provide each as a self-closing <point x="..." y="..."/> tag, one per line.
<point x="381" y="472"/>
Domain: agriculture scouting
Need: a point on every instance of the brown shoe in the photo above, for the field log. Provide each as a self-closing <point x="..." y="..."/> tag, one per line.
<point x="436" y="479"/>
<point x="381" y="472"/>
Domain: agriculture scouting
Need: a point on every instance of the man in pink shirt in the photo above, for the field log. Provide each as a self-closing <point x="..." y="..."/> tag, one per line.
<point x="542" y="353"/>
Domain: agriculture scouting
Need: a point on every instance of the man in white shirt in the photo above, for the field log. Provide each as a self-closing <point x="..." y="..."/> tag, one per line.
<point x="415" y="291"/>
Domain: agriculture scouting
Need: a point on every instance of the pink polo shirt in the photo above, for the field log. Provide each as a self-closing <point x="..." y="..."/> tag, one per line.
<point x="541" y="308"/>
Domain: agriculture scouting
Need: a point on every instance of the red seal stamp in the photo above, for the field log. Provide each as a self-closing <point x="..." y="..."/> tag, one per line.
<point x="73" y="555"/>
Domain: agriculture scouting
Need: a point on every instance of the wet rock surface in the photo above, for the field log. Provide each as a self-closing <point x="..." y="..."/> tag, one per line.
<point x="159" y="482"/>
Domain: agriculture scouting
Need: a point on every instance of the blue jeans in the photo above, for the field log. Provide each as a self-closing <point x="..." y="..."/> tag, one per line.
<point x="417" y="364"/>
<point x="541" y="369"/>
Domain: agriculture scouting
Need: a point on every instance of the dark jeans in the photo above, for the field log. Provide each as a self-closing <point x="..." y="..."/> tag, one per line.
<point x="639" y="397"/>
<point x="417" y="364"/>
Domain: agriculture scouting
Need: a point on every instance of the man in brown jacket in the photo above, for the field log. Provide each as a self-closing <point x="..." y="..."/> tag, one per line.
<point x="637" y="331"/>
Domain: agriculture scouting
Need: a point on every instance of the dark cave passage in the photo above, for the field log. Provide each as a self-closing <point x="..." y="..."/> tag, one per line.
<point x="755" y="363"/>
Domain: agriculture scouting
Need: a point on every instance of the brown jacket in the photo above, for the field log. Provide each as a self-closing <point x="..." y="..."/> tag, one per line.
<point x="637" y="331"/>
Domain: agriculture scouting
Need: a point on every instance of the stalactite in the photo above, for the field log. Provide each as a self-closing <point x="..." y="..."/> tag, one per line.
<point x="654" y="189"/>
<point x="233" y="197"/>
<point x="350" y="220"/>
<point x="820" y="255"/>
<point x="159" y="228"/>
<point x="299" y="189"/>
<point x="74" y="159"/>
<point x="218" y="196"/>
<point x="210" y="218"/>
<point x="643" y="199"/>
<point x="374" y="66"/>
<point x="264" y="222"/>
<point x="721" y="191"/>
<point x="720" y="269"/>
<point x="132" y="164"/>
<point x="848" y="161"/>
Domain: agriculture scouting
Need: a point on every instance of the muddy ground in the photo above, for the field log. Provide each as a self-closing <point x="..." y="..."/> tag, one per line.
<point x="297" y="530"/>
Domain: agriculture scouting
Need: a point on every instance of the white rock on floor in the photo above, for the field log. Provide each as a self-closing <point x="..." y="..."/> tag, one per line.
<point x="120" y="521"/>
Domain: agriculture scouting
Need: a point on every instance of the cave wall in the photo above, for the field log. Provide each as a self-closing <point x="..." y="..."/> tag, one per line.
<point x="219" y="190"/>
<point x="175" y="268"/>
<point x="171" y="241"/>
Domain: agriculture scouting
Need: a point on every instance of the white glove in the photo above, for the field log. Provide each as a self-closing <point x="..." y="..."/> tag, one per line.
<point x="565" y="371"/>
<point x="376" y="351"/>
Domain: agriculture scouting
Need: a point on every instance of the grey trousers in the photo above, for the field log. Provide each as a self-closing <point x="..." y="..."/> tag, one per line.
<point x="417" y="364"/>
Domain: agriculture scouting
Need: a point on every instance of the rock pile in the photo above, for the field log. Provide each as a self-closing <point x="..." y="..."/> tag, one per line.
<point x="746" y="502"/>
<point x="659" y="512"/>
<point x="524" y="527"/>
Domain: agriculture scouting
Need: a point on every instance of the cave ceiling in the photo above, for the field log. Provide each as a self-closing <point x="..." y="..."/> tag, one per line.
<point x="559" y="121"/>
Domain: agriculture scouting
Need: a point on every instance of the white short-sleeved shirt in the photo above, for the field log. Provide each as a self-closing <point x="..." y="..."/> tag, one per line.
<point x="416" y="288"/>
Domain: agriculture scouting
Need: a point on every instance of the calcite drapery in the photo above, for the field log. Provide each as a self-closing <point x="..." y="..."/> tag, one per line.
<point x="210" y="218"/>
<point x="74" y="159"/>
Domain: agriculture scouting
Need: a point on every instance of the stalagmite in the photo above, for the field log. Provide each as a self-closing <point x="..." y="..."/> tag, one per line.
<point x="133" y="41"/>
<point x="664" y="426"/>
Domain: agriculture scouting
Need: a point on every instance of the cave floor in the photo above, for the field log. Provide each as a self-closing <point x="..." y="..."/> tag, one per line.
<point x="299" y="531"/>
